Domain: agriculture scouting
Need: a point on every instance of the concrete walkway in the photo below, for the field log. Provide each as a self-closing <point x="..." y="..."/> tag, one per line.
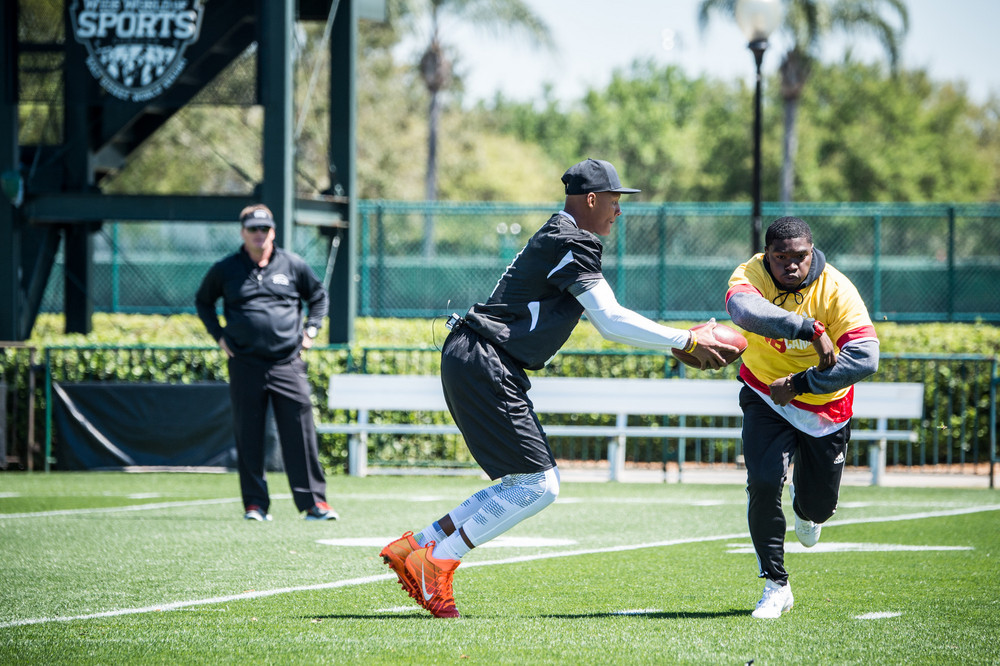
<point x="734" y="475"/>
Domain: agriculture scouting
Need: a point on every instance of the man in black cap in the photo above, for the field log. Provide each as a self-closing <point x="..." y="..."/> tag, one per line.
<point x="529" y="316"/>
<point x="262" y="288"/>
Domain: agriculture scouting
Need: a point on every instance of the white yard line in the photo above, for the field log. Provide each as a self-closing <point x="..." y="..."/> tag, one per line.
<point x="114" y="509"/>
<point x="131" y="507"/>
<point x="177" y="605"/>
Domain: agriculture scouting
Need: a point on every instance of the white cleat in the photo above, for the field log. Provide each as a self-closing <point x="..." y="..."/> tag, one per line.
<point x="806" y="530"/>
<point x="777" y="599"/>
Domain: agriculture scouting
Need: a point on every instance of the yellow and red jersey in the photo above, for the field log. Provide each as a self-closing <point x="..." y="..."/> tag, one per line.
<point x="831" y="299"/>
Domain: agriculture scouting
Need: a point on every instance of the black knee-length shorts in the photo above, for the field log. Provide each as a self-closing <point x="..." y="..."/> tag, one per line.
<point x="487" y="394"/>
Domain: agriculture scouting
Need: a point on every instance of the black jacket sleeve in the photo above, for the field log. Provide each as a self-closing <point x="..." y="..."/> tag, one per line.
<point x="205" y="299"/>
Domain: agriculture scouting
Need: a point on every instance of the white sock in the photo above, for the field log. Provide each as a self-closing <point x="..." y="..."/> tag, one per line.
<point x="451" y="548"/>
<point x="428" y="534"/>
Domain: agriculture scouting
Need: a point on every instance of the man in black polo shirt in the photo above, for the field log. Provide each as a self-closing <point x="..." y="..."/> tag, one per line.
<point x="527" y="319"/>
<point x="262" y="288"/>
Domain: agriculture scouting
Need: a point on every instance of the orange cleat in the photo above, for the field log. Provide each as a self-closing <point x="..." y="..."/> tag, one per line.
<point x="395" y="555"/>
<point x="433" y="578"/>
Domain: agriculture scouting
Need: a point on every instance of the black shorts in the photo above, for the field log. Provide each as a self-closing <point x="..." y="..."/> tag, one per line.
<point x="487" y="395"/>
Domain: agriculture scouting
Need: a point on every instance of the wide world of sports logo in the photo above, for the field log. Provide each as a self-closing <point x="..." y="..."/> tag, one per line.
<point x="136" y="47"/>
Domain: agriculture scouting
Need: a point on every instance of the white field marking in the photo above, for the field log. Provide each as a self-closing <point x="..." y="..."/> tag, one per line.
<point x="9" y="495"/>
<point x="144" y="495"/>
<point x="499" y="542"/>
<point x="511" y="560"/>
<point x="866" y="505"/>
<point x="912" y="516"/>
<point x="131" y="507"/>
<point x="877" y="616"/>
<point x="653" y="500"/>
<point x="397" y="609"/>
<point x="182" y="605"/>
<point x="842" y="547"/>
<point x="117" y="509"/>
<point x="396" y="497"/>
<point x="637" y="611"/>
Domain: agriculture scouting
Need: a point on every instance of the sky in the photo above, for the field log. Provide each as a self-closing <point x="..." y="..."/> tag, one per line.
<point x="954" y="40"/>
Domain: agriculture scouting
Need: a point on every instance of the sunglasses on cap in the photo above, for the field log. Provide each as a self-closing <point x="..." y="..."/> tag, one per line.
<point x="258" y="229"/>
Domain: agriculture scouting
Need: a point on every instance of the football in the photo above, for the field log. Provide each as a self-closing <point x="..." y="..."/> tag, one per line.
<point x="722" y="333"/>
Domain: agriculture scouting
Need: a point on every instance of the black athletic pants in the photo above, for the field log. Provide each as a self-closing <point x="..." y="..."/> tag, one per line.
<point x="251" y="384"/>
<point x="770" y="443"/>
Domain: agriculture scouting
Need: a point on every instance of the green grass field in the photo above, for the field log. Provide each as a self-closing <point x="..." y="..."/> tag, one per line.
<point x="112" y="568"/>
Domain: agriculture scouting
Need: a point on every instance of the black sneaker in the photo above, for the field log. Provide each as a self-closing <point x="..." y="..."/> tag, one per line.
<point x="321" y="511"/>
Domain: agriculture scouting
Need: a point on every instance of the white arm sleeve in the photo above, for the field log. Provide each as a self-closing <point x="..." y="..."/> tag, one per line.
<point x="619" y="324"/>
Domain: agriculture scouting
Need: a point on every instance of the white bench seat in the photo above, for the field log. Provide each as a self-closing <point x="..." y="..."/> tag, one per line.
<point x="619" y="397"/>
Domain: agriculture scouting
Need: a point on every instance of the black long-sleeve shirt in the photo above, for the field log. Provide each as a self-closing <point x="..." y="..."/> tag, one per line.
<point x="262" y="306"/>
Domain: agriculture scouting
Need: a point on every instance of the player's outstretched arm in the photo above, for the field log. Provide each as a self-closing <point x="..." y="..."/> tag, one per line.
<point x="619" y="324"/>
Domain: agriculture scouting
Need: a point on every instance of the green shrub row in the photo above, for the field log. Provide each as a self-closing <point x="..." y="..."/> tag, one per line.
<point x="954" y="361"/>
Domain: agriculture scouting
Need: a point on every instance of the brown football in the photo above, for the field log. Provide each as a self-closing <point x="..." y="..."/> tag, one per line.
<point x="722" y="333"/>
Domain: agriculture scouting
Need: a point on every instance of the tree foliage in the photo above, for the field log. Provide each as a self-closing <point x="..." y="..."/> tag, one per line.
<point x="867" y="135"/>
<point x="810" y="23"/>
<point x="438" y="17"/>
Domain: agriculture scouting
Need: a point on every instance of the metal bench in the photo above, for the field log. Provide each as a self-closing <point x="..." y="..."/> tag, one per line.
<point x="621" y="397"/>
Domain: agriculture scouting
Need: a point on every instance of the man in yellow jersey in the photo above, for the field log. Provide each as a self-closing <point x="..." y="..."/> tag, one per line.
<point x="810" y="339"/>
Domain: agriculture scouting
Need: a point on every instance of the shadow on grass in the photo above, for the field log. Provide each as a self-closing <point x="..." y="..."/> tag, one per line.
<point x="660" y="615"/>
<point x="415" y="614"/>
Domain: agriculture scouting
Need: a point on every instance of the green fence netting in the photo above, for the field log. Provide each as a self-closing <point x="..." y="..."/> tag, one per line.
<point x="668" y="261"/>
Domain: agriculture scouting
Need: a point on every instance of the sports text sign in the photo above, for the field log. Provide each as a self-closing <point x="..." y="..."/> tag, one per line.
<point x="136" y="47"/>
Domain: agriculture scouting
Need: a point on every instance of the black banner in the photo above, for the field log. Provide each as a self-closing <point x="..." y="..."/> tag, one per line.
<point x="118" y="424"/>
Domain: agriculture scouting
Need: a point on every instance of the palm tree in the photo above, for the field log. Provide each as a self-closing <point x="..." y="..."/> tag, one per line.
<point x="807" y="23"/>
<point x="494" y="16"/>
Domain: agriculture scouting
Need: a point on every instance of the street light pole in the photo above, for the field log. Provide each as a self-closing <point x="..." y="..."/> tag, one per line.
<point x="758" y="47"/>
<point x="757" y="19"/>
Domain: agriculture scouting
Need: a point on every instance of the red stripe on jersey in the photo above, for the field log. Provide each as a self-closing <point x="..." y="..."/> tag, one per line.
<point x="856" y="334"/>
<point x="837" y="411"/>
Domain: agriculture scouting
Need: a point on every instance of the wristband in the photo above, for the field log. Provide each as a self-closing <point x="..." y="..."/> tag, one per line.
<point x="818" y="330"/>
<point x="692" y="343"/>
<point x="800" y="384"/>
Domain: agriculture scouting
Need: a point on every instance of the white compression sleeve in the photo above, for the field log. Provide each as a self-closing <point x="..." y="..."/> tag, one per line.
<point x="520" y="496"/>
<point x="619" y="324"/>
<point x="461" y="514"/>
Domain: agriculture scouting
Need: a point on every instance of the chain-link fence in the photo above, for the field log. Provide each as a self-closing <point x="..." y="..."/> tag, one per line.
<point x="668" y="261"/>
<point x="156" y="268"/>
<point x="673" y="261"/>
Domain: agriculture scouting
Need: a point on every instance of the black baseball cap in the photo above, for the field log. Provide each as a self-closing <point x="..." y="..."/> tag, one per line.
<point x="593" y="175"/>
<point x="259" y="217"/>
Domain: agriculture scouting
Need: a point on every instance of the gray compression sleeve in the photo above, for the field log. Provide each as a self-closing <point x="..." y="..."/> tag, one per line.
<point x="855" y="361"/>
<point x="757" y="315"/>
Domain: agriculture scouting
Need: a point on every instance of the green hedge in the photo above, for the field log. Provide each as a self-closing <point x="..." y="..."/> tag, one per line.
<point x="173" y="349"/>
